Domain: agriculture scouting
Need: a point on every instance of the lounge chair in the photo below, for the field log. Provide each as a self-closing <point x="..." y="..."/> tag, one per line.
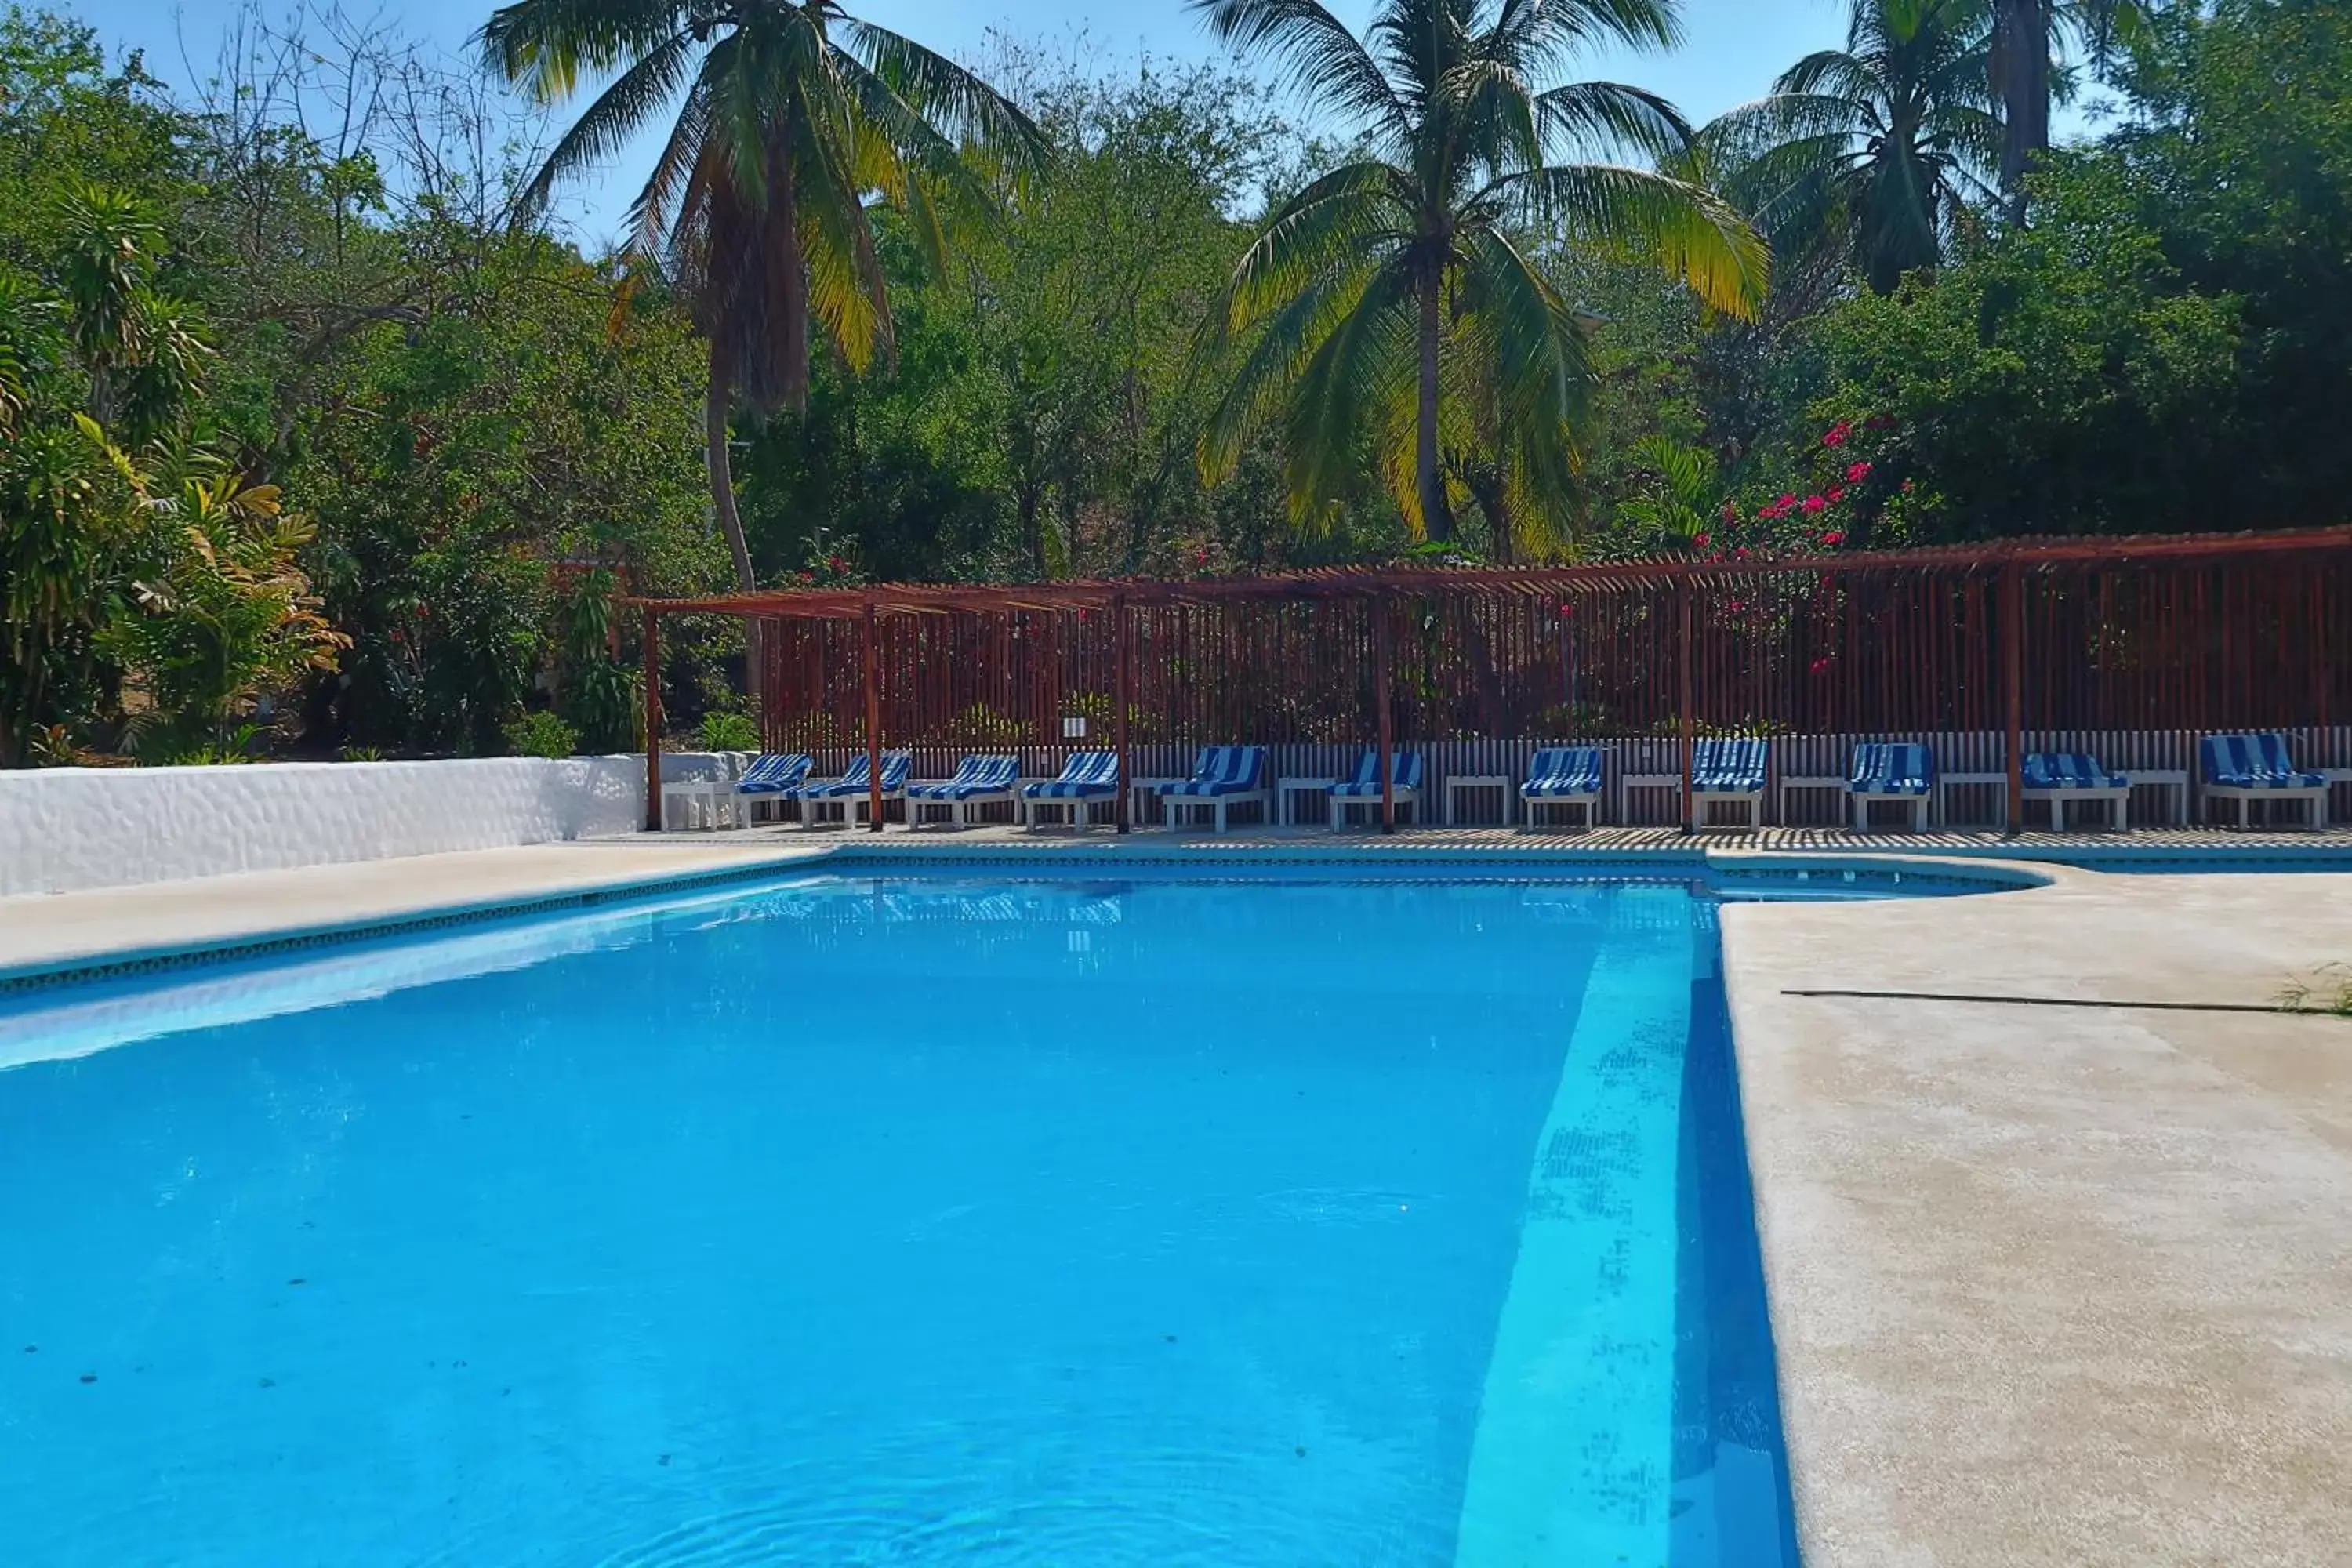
<point x="1725" y="769"/>
<point x="1891" y="770"/>
<point x="1563" y="775"/>
<point x="979" y="781"/>
<point x="2256" y="767"/>
<point x="853" y="789"/>
<point x="772" y="777"/>
<point x="1364" y="787"/>
<point x="1222" y="777"/>
<point x="2061" y="776"/>
<point x="1086" y="777"/>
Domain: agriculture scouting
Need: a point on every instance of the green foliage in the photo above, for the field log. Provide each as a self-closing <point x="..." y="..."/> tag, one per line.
<point x="2062" y="380"/>
<point x="135" y="556"/>
<point x="726" y="732"/>
<point x="597" y="695"/>
<point x="541" y="734"/>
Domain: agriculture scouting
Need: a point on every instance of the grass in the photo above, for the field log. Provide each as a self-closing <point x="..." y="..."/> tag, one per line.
<point x="2328" y="989"/>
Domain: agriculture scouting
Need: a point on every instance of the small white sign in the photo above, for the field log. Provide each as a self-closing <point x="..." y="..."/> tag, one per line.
<point x="1074" y="726"/>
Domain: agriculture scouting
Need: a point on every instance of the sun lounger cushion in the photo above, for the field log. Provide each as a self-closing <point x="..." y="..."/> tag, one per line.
<point x="2070" y="771"/>
<point x="2253" y="761"/>
<point x="1720" y="767"/>
<point x="773" y="773"/>
<point x="1883" y="767"/>
<point x="1087" y="775"/>
<point x="1224" y="770"/>
<point x="974" y="776"/>
<point x="1405" y="773"/>
<point x="858" y="779"/>
<point x="1563" y="771"/>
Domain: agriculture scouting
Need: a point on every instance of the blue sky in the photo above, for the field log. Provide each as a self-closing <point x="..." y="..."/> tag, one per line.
<point x="1732" y="50"/>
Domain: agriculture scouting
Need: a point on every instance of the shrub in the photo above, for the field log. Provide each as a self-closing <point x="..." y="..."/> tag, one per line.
<point x="543" y="735"/>
<point x="729" y="732"/>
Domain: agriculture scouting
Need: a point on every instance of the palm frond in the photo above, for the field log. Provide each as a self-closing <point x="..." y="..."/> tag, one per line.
<point x="936" y="89"/>
<point x="1357" y="205"/>
<point x="1688" y="229"/>
<point x="544" y="46"/>
<point x="1316" y="50"/>
<point x="607" y="125"/>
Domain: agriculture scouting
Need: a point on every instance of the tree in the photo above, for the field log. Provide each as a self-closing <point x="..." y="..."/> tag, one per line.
<point x="2028" y="37"/>
<point x="1408" y="267"/>
<point x="132" y="552"/>
<point x="796" y="112"/>
<point x="1877" y="153"/>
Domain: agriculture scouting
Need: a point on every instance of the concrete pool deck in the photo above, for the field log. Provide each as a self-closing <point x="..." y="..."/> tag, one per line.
<point x="2051" y="1284"/>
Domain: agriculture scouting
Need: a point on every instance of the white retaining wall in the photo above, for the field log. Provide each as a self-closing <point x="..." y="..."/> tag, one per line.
<point x="65" y="829"/>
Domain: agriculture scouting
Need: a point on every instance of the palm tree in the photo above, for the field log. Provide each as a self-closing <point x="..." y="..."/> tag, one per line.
<point x="1871" y="155"/>
<point x="793" y="114"/>
<point x="1396" y="298"/>
<point x="2027" y="36"/>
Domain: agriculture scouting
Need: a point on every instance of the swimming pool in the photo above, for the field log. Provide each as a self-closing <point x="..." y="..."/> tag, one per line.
<point x="859" y="1220"/>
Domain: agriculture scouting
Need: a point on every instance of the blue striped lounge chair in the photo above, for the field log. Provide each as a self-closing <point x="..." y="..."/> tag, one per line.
<point x="1725" y="770"/>
<point x="1363" y="788"/>
<point x="2242" y="768"/>
<point x="979" y="781"/>
<point x="1563" y="776"/>
<point x="1891" y="770"/>
<point x="2058" y="777"/>
<point x="772" y="777"/>
<point x="853" y="791"/>
<point x="1222" y="777"/>
<point x="1087" y="777"/>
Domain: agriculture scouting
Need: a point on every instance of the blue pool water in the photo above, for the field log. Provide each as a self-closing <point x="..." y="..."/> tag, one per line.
<point x="866" y="1222"/>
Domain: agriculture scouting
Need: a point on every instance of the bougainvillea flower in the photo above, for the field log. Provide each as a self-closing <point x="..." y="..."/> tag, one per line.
<point x="1814" y="504"/>
<point x="1834" y="536"/>
<point x="1857" y="472"/>
<point x="1836" y="434"/>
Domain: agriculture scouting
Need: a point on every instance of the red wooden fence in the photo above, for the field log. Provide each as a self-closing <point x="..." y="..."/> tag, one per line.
<point x="2196" y="643"/>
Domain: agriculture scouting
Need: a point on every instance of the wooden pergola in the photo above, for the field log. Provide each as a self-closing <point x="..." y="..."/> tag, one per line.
<point x="1692" y="584"/>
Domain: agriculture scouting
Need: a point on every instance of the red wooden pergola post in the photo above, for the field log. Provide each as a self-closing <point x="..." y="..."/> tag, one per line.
<point x="653" y="721"/>
<point x="1688" y="720"/>
<point x="2012" y="660"/>
<point x="1381" y="660"/>
<point x="1123" y="683"/>
<point x="873" y="728"/>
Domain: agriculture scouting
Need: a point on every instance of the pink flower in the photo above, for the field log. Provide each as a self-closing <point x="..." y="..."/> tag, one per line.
<point x="1836" y="536"/>
<point x="1836" y="494"/>
<point x="1199" y="558"/>
<point x="1701" y="539"/>
<point x="1906" y="486"/>
<point x="833" y="562"/>
<point x="1738" y="606"/>
<point x="1857" y="472"/>
<point x="1836" y="434"/>
<point x="1786" y="501"/>
<point x="1814" y="504"/>
<point x="1739" y="554"/>
<point x="1730" y="511"/>
<point x="1820" y="666"/>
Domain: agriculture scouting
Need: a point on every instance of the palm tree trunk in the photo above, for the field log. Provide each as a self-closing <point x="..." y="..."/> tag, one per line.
<point x="1433" y="520"/>
<point x="2021" y="55"/>
<point x="716" y="399"/>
